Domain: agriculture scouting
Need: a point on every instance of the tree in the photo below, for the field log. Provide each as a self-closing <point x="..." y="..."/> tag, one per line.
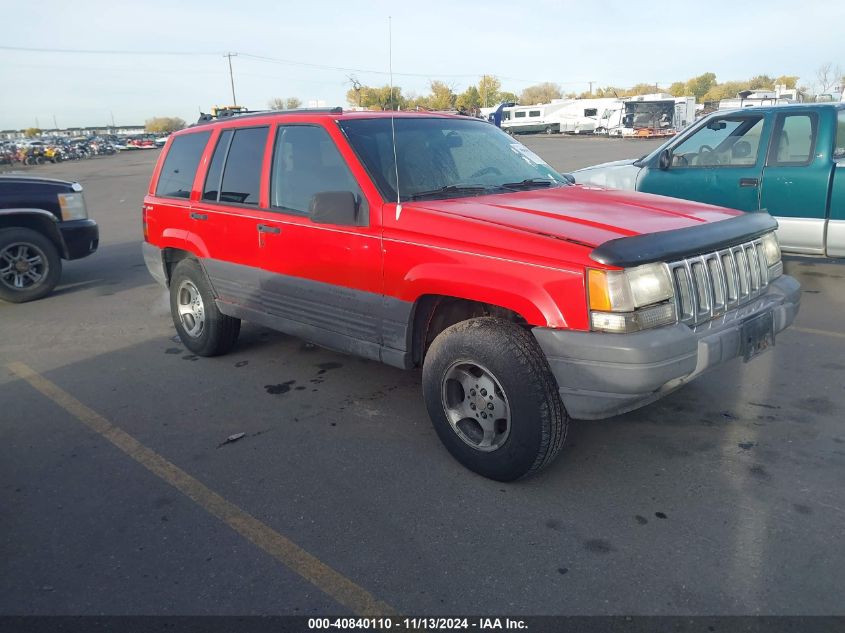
<point x="488" y="90"/>
<point x="32" y="132"/>
<point x="678" y="89"/>
<point x="468" y="100"/>
<point x="698" y="86"/>
<point x="540" y="93"/>
<point x="761" y="82"/>
<point x="827" y="76"/>
<point x="726" y="90"/>
<point x="641" y="89"/>
<point x="790" y="81"/>
<point x="508" y="97"/>
<point x="290" y="103"/>
<point x="442" y="96"/>
<point x="376" y="98"/>
<point x="164" y="124"/>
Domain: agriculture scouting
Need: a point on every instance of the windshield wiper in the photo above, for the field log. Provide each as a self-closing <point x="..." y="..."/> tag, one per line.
<point x="450" y="189"/>
<point x="528" y="183"/>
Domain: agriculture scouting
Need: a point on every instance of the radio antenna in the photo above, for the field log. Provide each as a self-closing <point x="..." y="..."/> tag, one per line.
<point x="392" y="108"/>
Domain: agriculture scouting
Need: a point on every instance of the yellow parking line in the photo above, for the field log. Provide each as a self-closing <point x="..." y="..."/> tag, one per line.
<point x="809" y="330"/>
<point x="331" y="582"/>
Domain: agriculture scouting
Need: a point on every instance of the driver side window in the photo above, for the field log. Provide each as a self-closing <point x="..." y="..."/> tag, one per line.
<point x="723" y="142"/>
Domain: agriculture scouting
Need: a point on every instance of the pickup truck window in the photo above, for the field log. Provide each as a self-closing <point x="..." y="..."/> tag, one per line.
<point x="180" y="166"/>
<point x="839" y="145"/>
<point x="445" y="157"/>
<point x="305" y="162"/>
<point x="722" y="142"/>
<point x="795" y="139"/>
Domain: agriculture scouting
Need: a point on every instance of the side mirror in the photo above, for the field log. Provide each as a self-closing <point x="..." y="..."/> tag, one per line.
<point x="569" y="178"/>
<point x="334" y="207"/>
<point x="664" y="161"/>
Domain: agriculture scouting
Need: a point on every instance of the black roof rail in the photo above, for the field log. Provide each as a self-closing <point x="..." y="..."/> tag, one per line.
<point x="229" y="114"/>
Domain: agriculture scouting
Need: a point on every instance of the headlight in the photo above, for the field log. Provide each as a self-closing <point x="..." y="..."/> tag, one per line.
<point x="771" y="247"/>
<point x="630" y="300"/>
<point x="73" y="206"/>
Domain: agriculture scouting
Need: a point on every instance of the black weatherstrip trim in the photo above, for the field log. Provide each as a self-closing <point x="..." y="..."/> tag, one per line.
<point x="666" y="246"/>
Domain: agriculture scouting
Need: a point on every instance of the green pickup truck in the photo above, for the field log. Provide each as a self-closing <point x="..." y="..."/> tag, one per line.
<point x="788" y="160"/>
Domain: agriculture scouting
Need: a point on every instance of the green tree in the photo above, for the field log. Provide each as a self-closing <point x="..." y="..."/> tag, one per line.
<point x="32" y="132"/>
<point x="641" y="89"/>
<point x="290" y="103"/>
<point x="442" y="96"/>
<point x="540" y="93"/>
<point x="726" y="90"/>
<point x="761" y="82"/>
<point x="164" y="124"/>
<point x="508" y="96"/>
<point x="698" y="86"/>
<point x="488" y="90"/>
<point x="468" y="100"/>
<point x="376" y="98"/>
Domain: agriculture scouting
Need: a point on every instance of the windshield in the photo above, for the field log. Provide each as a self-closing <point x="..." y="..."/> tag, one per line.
<point x="445" y="157"/>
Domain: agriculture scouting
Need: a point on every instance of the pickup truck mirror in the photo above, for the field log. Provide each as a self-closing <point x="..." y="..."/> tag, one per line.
<point x="334" y="207"/>
<point x="664" y="160"/>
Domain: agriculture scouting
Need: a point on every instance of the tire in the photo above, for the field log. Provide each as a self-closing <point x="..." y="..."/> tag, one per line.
<point x="202" y="327"/>
<point x="494" y="351"/>
<point x="549" y="130"/>
<point x="21" y="249"/>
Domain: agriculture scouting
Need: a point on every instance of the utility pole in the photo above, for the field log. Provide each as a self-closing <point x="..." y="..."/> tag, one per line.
<point x="112" y="118"/>
<point x="591" y="87"/>
<point x="232" y="76"/>
<point x="356" y="86"/>
<point x="55" y="125"/>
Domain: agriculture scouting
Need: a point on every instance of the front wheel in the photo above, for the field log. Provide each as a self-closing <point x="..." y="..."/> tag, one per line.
<point x="549" y="129"/>
<point x="202" y="327"/>
<point x="30" y="266"/>
<point x="492" y="398"/>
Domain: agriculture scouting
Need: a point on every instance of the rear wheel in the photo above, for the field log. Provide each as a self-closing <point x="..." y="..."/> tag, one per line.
<point x="492" y="398"/>
<point x="549" y="129"/>
<point x="30" y="266"/>
<point x="202" y="327"/>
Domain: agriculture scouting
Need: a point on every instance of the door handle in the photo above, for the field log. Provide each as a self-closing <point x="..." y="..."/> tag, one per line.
<point x="198" y="216"/>
<point x="749" y="182"/>
<point x="263" y="228"/>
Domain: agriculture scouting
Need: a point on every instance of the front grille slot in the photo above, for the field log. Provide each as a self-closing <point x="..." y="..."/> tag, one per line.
<point x="709" y="285"/>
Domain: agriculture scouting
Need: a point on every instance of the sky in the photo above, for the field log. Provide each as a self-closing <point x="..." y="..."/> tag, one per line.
<point x="163" y="58"/>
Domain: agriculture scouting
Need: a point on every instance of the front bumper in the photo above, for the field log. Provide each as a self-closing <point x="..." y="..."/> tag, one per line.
<point x="600" y="375"/>
<point x="79" y="237"/>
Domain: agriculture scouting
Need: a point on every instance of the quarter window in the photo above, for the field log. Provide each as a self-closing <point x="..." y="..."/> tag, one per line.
<point x="180" y="165"/>
<point x="794" y="141"/>
<point x="519" y="115"/>
<point x="534" y="113"/>
<point x="211" y="190"/>
<point x="839" y="146"/>
<point x="306" y="162"/>
<point x="242" y="174"/>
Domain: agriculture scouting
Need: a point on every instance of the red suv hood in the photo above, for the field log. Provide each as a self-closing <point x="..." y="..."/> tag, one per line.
<point x="583" y="214"/>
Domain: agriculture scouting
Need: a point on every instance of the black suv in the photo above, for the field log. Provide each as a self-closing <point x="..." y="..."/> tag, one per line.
<point x="42" y="221"/>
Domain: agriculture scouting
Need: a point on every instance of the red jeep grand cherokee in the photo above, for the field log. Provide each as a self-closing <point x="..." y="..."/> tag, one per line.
<point x="439" y="241"/>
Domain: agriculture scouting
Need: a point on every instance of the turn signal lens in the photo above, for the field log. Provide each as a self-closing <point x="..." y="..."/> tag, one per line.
<point x="598" y="290"/>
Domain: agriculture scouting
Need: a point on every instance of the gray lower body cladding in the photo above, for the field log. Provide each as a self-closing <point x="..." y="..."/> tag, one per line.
<point x="601" y="375"/>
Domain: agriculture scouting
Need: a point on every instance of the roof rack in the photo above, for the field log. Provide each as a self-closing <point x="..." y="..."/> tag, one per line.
<point x="223" y="114"/>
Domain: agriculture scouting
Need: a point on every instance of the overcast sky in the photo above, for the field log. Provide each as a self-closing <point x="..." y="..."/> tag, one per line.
<point x="609" y="42"/>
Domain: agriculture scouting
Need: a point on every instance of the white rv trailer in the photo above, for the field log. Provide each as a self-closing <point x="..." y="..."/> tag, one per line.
<point x="523" y="119"/>
<point x="582" y="116"/>
<point x="651" y="115"/>
<point x="751" y="98"/>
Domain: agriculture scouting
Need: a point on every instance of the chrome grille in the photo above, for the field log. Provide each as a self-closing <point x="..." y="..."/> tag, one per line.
<point x="709" y="285"/>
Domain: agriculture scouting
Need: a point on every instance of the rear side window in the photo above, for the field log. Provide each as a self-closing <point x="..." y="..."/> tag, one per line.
<point x="180" y="165"/>
<point x="242" y="172"/>
<point x="794" y="140"/>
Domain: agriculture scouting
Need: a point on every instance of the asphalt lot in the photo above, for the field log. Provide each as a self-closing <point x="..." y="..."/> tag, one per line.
<point x="725" y="498"/>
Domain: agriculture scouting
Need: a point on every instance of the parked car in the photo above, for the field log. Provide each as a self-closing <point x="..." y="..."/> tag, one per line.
<point x="42" y="222"/>
<point x="525" y="299"/>
<point x="788" y="160"/>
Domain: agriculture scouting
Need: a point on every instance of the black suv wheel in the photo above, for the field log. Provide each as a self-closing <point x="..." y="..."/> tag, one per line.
<point x="492" y="398"/>
<point x="30" y="266"/>
<point x="202" y="327"/>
